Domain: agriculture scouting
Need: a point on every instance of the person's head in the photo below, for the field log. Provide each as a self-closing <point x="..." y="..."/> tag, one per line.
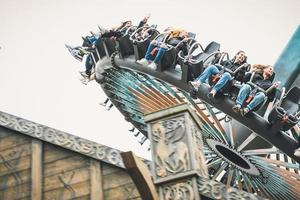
<point x="240" y="57"/>
<point x="265" y="70"/>
<point x="184" y="34"/>
<point x="178" y="32"/>
<point x="268" y="71"/>
<point x="127" y="23"/>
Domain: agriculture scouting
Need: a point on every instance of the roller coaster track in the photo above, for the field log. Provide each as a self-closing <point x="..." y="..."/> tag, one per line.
<point x="253" y="121"/>
<point x="267" y="164"/>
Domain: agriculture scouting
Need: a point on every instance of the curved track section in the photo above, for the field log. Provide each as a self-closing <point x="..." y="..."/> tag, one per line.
<point x="253" y="121"/>
<point x="246" y="162"/>
<point x="244" y="152"/>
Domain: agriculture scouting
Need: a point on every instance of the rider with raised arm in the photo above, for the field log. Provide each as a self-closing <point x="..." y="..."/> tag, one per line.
<point x="116" y="31"/>
<point x="144" y="21"/>
<point x="262" y="78"/>
<point x="120" y="30"/>
<point x="174" y="37"/>
<point x="238" y="60"/>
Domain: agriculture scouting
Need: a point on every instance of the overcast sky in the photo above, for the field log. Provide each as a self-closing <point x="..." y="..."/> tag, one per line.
<point x="39" y="78"/>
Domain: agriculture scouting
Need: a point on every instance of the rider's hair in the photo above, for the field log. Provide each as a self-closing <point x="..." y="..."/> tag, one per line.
<point x="175" y="32"/>
<point x="240" y="51"/>
<point x="259" y="68"/>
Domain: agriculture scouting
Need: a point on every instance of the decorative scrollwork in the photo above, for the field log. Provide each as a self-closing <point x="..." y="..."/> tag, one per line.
<point x="216" y="190"/>
<point x="65" y="140"/>
<point x="179" y="191"/>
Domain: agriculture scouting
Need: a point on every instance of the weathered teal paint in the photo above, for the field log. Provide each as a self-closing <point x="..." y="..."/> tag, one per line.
<point x="287" y="66"/>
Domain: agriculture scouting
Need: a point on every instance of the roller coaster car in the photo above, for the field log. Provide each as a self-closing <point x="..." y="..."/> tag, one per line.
<point x="286" y="112"/>
<point x="101" y="49"/>
<point x="141" y="39"/>
<point x="262" y="106"/>
<point x="170" y="58"/>
<point x="125" y="44"/>
<point x="193" y="65"/>
<point x="110" y="44"/>
<point x="232" y="87"/>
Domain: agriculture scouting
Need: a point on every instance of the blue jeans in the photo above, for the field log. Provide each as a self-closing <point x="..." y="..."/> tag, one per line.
<point x="159" y="54"/>
<point x="89" y="64"/>
<point x="212" y="70"/>
<point x="244" y="93"/>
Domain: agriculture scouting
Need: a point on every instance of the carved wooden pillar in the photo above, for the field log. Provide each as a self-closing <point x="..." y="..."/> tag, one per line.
<point x="96" y="180"/>
<point x="36" y="170"/>
<point x="176" y="146"/>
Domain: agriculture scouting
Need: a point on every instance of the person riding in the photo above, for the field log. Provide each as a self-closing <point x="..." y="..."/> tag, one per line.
<point x="262" y="78"/>
<point x="119" y="31"/>
<point x="89" y="42"/>
<point x="116" y="31"/>
<point x="173" y="38"/>
<point x="238" y="60"/>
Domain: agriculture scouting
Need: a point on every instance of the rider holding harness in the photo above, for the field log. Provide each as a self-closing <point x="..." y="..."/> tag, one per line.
<point x="174" y="37"/>
<point x="254" y="92"/>
<point x="222" y="76"/>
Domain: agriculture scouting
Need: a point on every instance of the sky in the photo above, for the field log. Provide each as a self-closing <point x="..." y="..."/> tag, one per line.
<point x="39" y="78"/>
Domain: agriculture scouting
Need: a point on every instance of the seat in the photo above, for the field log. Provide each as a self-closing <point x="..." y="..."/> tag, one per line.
<point x="285" y="113"/>
<point x="168" y="60"/>
<point x="140" y="49"/>
<point x="100" y="49"/>
<point x="193" y="67"/>
<point x="110" y="45"/>
<point x="125" y="46"/>
<point x="261" y="107"/>
<point x="140" y="46"/>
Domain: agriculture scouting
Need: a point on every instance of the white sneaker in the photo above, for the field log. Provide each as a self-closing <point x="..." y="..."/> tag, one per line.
<point x="212" y="94"/>
<point x="143" y="61"/>
<point x="108" y="108"/>
<point x="102" y="104"/>
<point x="84" y="81"/>
<point x="84" y="74"/>
<point x="244" y="111"/>
<point x="297" y="152"/>
<point x="153" y="65"/>
<point x="236" y="108"/>
<point x="195" y="84"/>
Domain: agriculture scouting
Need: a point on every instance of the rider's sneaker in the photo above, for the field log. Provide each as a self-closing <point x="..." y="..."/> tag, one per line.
<point x="195" y="84"/>
<point x="84" y="74"/>
<point x="102" y="104"/>
<point x="236" y="108"/>
<point x="244" y="111"/>
<point x="108" y="109"/>
<point x="152" y="65"/>
<point x="212" y="94"/>
<point x="297" y="152"/>
<point x="143" y="61"/>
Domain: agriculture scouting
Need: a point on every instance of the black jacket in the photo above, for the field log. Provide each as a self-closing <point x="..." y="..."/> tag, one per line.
<point x="175" y="41"/>
<point x="229" y="64"/>
<point x="265" y="84"/>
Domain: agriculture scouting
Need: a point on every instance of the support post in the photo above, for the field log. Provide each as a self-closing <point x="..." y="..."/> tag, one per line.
<point x="177" y="152"/>
<point x="36" y="169"/>
<point x="140" y="176"/>
<point x="96" y="180"/>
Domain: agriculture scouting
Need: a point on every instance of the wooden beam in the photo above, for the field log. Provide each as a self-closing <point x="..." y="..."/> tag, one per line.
<point x="36" y="169"/>
<point x="96" y="180"/>
<point x="140" y="176"/>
